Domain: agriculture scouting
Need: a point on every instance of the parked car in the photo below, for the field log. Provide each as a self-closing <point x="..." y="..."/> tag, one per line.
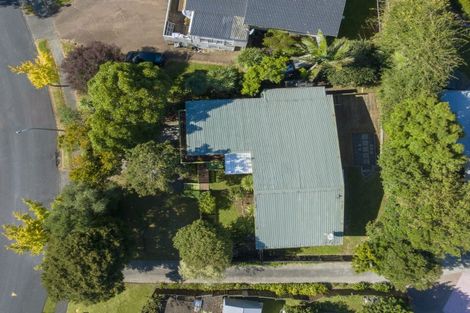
<point x="145" y="56"/>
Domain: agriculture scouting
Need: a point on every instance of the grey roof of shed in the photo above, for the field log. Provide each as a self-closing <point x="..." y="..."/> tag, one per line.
<point x="300" y="16"/>
<point x="218" y="26"/>
<point x="292" y="137"/>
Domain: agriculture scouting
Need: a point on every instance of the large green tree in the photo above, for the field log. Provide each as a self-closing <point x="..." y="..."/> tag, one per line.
<point x="79" y="208"/>
<point x="85" y="266"/>
<point x="205" y="251"/>
<point x="151" y="168"/>
<point x="270" y="69"/>
<point x="127" y="103"/>
<point x="423" y="37"/>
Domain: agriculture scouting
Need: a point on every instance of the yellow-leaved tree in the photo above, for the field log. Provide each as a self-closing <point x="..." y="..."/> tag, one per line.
<point x="41" y="71"/>
<point x="30" y="236"/>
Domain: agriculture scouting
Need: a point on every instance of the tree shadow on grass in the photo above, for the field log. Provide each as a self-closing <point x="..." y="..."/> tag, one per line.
<point x="154" y="222"/>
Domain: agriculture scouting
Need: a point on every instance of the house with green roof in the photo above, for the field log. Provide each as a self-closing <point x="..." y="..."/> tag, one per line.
<point x="287" y="138"/>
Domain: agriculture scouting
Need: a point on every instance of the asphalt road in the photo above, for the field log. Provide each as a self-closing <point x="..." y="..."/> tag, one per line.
<point x="27" y="161"/>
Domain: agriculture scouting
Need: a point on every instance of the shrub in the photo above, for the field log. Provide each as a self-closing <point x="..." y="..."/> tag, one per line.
<point x="224" y="81"/>
<point x="82" y="63"/>
<point x="197" y="83"/>
<point x="207" y="204"/>
<point x="382" y="287"/>
<point x="155" y="304"/>
<point x="386" y="305"/>
<point x="250" y="56"/>
<point x="279" y="43"/>
<point x="351" y="76"/>
<point x="247" y="183"/>
<point x="361" y="286"/>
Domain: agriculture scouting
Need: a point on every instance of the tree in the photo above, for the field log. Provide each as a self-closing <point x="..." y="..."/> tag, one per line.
<point x="31" y="236"/>
<point x="127" y="104"/>
<point x="204" y="250"/>
<point x="207" y="204"/>
<point x="386" y="305"/>
<point x="249" y="57"/>
<point x="85" y="266"/>
<point x="317" y="52"/>
<point x="270" y="69"/>
<point x="364" y="70"/>
<point x="197" y="83"/>
<point x="424" y="39"/>
<point x="279" y="43"/>
<point x="247" y="183"/>
<point x="83" y="62"/>
<point x="78" y="208"/>
<point x="41" y="72"/>
<point x="151" y="168"/>
<point x="93" y="168"/>
<point x="224" y="81"/>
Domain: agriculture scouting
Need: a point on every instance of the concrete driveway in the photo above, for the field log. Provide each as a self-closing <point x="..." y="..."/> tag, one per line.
<point x="130" y="25"/>
<point x="27" y="161"/>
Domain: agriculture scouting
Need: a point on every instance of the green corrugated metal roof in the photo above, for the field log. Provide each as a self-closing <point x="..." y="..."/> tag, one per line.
<point x="292" y="137"/>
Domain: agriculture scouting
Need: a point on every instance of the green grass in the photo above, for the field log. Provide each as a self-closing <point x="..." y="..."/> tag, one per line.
<point x="347" y="303"/>
<point x="359" y="15"/>
<point x="176" y="68"/>
<point x="227" y="216"/>
<point x="130" y="301"/>
<point x="49" y="306"/>
<point x="154" y="222"/>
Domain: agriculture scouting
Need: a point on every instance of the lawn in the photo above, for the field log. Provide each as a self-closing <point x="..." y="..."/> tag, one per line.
<point x="130" y="300"/>
<point x="49" y="306"/>
<point x="272" y="306"/>
<point x="176" y="68"/>
<point x="360" y="17"/>
<point x="154" y="222"/>
<point x="345" y="304"/>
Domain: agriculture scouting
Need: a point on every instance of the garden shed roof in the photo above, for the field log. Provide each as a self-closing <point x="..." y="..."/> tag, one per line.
<point x="292" y="137"/>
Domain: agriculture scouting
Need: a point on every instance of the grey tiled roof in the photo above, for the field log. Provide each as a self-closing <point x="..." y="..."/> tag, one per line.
<point x="218" y="26"/>
<point x="301" y="16"/>
<point x="297" y="173"/>
<point x="220" y="7"/>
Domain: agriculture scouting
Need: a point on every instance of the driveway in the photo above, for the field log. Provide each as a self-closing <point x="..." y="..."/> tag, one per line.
<point x="130" y="25"/>
<point x="333" y="272"/>
<point x="27" y="161"/>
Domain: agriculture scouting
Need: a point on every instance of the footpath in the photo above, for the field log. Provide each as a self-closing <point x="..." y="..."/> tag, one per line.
<point x="333" y="272"/>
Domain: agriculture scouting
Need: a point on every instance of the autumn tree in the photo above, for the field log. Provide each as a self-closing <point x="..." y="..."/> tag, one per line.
<point x="205" y="251"/>
<point x="83" y="62"/>
<point x="31" y="235"/>
<point x="41" y="72"/>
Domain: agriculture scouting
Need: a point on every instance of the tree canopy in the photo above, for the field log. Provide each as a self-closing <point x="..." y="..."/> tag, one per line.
<point x="270" y="69"/>
<point x="151" y="168"/>
<point x="41" y="72"/>
<point x="127" y="102"/>
<point x="83" y="62"/>
<point x="85" y="266"/>
<point x="31" y="236"/>
<point x="423" y="37"/>
<point x="205" y="251"/>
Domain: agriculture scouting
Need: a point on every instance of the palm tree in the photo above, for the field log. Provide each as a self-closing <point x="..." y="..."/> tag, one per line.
<point x="317" y="52"/>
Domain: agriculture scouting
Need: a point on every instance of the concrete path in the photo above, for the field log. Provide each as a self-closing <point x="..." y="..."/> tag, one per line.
<point x="334" y="272"/>
<point x="27" y="161"/>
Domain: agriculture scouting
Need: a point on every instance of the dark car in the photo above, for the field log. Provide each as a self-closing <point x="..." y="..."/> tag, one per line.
<point x="144" y="56"/>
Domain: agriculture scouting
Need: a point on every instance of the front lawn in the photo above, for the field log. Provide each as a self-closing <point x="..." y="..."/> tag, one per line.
<point x="176" y="68"/>
<point x="130" y="300"/>
<point x="155" y="220"/>
<point x="360" y="18"/>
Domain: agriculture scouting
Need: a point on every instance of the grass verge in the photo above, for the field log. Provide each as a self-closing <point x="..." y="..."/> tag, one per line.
<point x="49" y="306"/>
<point x="130" y="300"/>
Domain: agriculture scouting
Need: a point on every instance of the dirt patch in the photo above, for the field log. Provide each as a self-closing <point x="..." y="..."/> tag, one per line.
<point x="131" y="25"/>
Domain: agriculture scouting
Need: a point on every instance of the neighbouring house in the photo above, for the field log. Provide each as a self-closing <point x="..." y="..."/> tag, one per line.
<point x="226" y="24"/>
<point x="459" y="102"/>
<point x="288" y="140"/>
<point x="235" y="305"/>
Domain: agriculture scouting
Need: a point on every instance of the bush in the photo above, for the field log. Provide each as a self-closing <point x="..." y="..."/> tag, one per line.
<point x="361" y="286"/>
<point x="197" y="83"/>
<point x="250" y="56"/>
<point x="155" y="304"/>
<point x="386" y="305"/>
<point x="219" y="82"/>
<point x="207" y="204"/>
<point x="352" y="76"/>
<point x="382" y="287"/>
<point x="247" y="183"/>
<point x="82" y="63"/>
<point x="279" y="43"/>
